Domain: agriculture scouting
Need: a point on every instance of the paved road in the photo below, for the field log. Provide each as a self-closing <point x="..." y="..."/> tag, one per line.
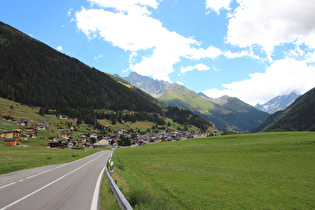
<point x="63" y="186"/>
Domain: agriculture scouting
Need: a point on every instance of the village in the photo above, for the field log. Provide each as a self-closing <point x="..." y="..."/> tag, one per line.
<point x="110" y="138"/>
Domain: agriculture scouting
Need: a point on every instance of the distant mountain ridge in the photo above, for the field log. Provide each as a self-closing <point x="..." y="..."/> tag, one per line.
<point x="278" y="103"/>
<point x="300" y="115"/>
<point x="151" y="86"/>
<point x="226" y="113"/>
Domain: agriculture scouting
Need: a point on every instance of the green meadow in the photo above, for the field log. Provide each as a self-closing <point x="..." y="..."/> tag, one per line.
<point x="35" y="154"/>
<point x="252" y="171"/>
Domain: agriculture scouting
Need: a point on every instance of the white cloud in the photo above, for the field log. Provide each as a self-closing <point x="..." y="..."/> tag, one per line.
<point x="98" y="57"/>
<point x="199" y="67"/>
<point x="210" y="52"/>
<point x="230" y="54"/>
<point x="133" y="30"/>
<point x="282" y="77"/>
<point x="126" y="5"/>
<point x="180" y="83"/>
<point x="69" y="12"/>
<point x="217" y="5"/>
<point x="59" y="48"/>
<point x="270" y="23"/>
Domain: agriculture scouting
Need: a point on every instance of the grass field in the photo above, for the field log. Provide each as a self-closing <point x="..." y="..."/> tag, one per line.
<point x="252" y="171"/>
<point x="36" y="154"/>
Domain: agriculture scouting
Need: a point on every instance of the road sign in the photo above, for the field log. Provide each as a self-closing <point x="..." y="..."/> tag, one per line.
<point x="70" y="145"/>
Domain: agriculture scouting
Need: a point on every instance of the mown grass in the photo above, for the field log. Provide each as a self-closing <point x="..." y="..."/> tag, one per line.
<point x="108" y="200"/>
<point x="252" y="171"/>
<point x="36" y="154"/>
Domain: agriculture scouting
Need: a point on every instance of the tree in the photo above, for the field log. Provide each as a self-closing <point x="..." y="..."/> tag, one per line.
<point x="42" y="111"/>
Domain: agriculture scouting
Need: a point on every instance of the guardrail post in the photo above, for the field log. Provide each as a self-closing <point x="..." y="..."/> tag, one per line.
<point x="122" y="201"/>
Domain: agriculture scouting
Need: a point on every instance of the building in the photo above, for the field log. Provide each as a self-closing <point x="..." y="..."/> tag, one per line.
<point x="13" y="141"/>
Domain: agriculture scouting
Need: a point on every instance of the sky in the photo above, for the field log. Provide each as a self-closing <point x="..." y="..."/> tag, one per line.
<point x="250" y="49"/>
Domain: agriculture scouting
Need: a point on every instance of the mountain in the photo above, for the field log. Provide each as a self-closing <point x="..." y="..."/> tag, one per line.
<point x="299" y="115"/>
<point x="230" y="114"/>
<point x="203" y="95"/>
<point x="34" y="74"/>
<point x="151" y="86"/>
<point x="278" y="103"/>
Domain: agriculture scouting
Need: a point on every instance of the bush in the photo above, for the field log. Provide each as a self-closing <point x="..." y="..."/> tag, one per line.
<point x="142" y="199"/>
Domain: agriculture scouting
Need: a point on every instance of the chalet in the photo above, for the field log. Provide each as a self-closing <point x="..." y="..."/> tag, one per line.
<point x="24" y="119"/>
<point x="6" y="134"/>
<point x="81" y="140"/>
<point x="83" y="135"/>
<point x="31" y="134"/>
<point x="93" y="135"/>
<point x="66" y="133"/>
<point x="13" y="141"/>
<point x="41" y="128"/>
<point x="62" y="143"/>
<point x="31" y="128"/>
<point x="22" y="123"/>
<point x="8" y="118"/>
<point x="62" y="117"/>
<point x="53" y="138"/>
<point x="12" y="134"/>
<point x="102" y="142"/>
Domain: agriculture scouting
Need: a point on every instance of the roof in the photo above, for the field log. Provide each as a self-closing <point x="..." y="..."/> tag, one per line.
<point x="12" y="139"/>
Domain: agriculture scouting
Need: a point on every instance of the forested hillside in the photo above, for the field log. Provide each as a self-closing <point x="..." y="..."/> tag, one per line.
<point x="35" y="74"/>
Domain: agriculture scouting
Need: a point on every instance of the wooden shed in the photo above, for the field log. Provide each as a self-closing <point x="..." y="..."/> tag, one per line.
<point x="13" y="141"/>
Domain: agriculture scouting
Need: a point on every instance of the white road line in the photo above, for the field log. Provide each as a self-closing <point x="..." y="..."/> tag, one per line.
<point x="19" y="200"/>
<point x="97" y="190"/>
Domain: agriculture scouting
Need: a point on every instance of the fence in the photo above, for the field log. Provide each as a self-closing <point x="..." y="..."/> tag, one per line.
<point x="122" y="201"/>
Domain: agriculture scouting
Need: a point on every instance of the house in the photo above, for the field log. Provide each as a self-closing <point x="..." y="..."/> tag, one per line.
<point x="7" y="134"/>
<point x="53" y="138"/>
<point x="102" y="142"/>
<point x="93" y="135"/>
<point x="11" y="134"/>
<point x="62" y="117"/>
<point x="41" y="128"/>
<point x="81" y="140"/>
<point x="83" y="135"/>
<point x="13" y="141"/>
<point x="8" y="118"/>
<point x="62" y="143"/>
<point x="31" y="128"/>
<point x="31" y="134"/>
<point x="22" y="123"/>
<point x="66" y="133"/>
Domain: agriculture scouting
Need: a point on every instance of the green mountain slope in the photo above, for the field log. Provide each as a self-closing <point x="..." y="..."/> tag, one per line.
<point x="35" y="74"/>
<point x="300" y="115"/>
<point x="230" y="114"/>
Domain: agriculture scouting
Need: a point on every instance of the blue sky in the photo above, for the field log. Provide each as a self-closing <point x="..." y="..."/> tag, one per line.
<point x="251" y="49"/>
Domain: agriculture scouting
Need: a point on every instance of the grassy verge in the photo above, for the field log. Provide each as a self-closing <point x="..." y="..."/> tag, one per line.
<point x="253" y="171"/>
<point x="36" y="154"/>
<point x="108" y="200"/>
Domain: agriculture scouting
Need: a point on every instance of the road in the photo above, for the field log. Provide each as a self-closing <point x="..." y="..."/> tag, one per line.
<point x="63" y="186"/>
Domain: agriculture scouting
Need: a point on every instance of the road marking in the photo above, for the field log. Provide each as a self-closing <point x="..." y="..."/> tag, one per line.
<point x="19" y="200"/>
<point x="97" y="190"/>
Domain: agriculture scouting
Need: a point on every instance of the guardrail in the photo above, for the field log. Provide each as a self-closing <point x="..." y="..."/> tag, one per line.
<point x="122" y="201"/>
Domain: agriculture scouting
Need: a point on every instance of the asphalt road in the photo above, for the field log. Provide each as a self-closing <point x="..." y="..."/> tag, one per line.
<point x="64" y="186"/>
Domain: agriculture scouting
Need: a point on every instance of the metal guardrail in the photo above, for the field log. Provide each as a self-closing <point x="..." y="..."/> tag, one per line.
<point x="122" y="201"/>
